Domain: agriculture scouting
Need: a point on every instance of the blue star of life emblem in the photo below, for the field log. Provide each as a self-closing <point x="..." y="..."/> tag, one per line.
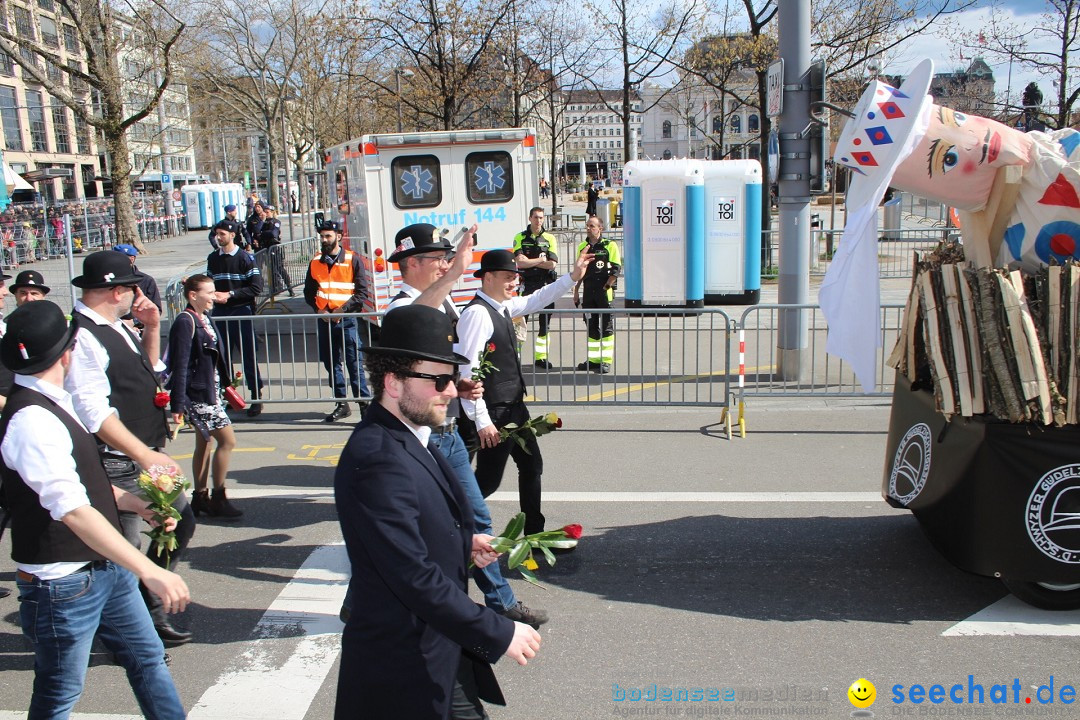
<point x="490" y="177"/>
<point x="417" y="182"/>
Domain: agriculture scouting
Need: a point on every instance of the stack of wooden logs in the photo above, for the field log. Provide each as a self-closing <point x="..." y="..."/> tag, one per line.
<point x="993" y="341"/>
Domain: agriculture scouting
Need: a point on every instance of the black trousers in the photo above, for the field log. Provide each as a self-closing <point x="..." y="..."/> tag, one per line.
<point x="545" y="318"/>
<point x="491" y="463"/>
<point x="596" y="297"/>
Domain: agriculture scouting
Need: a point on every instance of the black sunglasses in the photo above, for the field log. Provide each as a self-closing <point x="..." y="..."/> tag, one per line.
<point x="441" y="381"/>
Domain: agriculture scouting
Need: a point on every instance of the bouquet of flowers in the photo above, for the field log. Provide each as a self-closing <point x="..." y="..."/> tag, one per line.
<point x="160" y="486"/>
<point x="484" y="367"/>
<point x="521" y="548"/>
<point x="539" y="425"/>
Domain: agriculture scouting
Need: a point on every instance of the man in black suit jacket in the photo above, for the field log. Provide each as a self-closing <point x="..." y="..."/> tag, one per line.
<point x="415" y="646"/>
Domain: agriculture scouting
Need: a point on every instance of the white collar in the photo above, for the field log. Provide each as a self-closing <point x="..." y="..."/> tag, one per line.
<point x="46" y="388"/>
<point x="489" y="300"/>
<point x="95" y="316"/>
<point x="236" y="248"/>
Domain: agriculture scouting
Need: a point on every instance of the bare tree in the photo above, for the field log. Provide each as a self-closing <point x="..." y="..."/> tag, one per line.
<point x="248" y="59"/>
<point x="1049" y="47"/>
<point x="645" y="39"/>
<point x="129" y="63"/>
<point x="433" y="57"/>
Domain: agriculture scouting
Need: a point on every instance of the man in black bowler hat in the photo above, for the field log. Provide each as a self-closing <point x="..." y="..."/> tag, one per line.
<point x="29" y="285"/>
<point x="485" y="321"/>
<point x="113" y="381"/>
<point x="415" y="646"/>
<point x="76" y="574"/>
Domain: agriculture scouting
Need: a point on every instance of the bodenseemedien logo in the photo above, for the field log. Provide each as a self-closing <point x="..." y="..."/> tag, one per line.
<point x="862" y="695"/>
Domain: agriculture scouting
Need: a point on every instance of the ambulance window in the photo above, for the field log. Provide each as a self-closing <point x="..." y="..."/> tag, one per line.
<point x="489" y="177"/>
<point x="341" y="190"/>
<point x="417" y="181"/>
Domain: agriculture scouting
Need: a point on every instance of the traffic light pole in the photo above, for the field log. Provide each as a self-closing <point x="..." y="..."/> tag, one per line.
<point x="794" y="191"/>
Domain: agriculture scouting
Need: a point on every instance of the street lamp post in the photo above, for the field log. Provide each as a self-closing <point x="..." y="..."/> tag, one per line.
<point x="398" y="73"/>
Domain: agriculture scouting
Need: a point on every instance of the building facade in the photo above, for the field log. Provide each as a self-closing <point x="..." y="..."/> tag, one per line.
<point x="592" y="130"/>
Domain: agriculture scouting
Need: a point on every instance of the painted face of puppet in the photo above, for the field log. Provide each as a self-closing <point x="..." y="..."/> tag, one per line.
<point x="957" y="159"/>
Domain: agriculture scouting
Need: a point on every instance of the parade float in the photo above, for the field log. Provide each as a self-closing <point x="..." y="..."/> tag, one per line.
<point x="984" y="434"/>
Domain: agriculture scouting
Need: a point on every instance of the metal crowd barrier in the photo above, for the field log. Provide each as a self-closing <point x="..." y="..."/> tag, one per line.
<point x="822" y="375"/>
<point x="661" y="358"/>
<point x="896" y="249"/>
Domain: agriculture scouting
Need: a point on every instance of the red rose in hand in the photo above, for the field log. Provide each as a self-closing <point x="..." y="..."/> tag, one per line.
<point x="162" y="399"/>
<point x="491" y="347"/>
<point x="558" y="426"/>
<point x="572" y="531"/>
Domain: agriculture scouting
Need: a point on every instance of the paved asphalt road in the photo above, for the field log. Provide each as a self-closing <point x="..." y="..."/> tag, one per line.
<point x="783" y="575"/>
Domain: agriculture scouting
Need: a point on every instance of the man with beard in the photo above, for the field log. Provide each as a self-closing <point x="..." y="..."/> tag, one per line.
<point x="334" y="286"/>
<point x="415" y="646"/>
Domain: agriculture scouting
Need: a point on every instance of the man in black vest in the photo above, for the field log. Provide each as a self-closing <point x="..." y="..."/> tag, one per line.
<point x="66" y="543"/>
<point x="486" y="321"/>
<point x="113" y="383"/>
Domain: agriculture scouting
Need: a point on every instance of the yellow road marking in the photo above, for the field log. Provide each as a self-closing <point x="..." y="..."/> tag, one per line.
<point x="235" y="450"/>
<point x="314" y="450"/>
<point x="683" y="378"/>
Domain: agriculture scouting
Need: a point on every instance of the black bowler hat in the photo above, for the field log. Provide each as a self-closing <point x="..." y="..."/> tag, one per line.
<point x="417" y="331"/>
<point x="37" y="335"/>
<point x="416" y="239"/>
<point x="106" y="268"/>
<point x="333" y="225"/>
<point x="29" y="278"/>
<point x="497" y="260"/>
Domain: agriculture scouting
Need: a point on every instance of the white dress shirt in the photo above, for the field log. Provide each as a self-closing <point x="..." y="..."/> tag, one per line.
<point x="86" y="378"/>
<point x="475" y="329"/>
<point x="38" y="447"/>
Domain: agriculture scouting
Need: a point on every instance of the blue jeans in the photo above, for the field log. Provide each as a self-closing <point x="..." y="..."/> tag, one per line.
<point x="339" y="345"/>
<point x="60" y="618"/>
<point x="497" y="592"/>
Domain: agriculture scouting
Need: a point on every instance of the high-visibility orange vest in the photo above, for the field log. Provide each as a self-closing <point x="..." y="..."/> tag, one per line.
<point x="336" y="284"/>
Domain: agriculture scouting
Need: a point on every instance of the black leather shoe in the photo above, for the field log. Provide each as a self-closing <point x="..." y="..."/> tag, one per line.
<point x="544" y="364"/>
<point x="341" y="412"/>
<point x="4" y="592"/>
<point x="172" y="636"/>
<point x="255" y="410"/>
<point x="604" y="368"/>
<point x="524" y="614"/>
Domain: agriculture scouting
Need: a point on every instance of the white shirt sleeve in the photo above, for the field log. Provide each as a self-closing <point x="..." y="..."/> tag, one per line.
<point x="524" y="305"/>
<point x="473" y="329"/>
<point x="87" y="382"/>
<point x="38" y="447"/>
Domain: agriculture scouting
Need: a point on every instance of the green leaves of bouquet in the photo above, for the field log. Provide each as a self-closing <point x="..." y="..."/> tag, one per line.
<point x="161" y="488"/>
<point x="521" y="548"/>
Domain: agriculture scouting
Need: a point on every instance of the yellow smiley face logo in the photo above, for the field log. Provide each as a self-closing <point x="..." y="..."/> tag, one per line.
<point x="862" y="693"/>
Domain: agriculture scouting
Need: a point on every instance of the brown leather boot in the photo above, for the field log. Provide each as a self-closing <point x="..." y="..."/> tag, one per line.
<point x="221" y="507"/>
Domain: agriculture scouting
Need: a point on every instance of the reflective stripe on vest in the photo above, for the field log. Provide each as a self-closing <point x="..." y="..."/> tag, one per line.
<point x="336" y="284"/>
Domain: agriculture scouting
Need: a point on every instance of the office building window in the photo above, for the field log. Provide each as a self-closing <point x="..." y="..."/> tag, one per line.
<point x="71" y="39"/>
<point x="48" y="32"/>
<point x="82" y="136"/>
<point x="10" y="117"/>
<point x="39" y="138"/>
<point x="666" y="132"/>
<point x="7" y="65"/>
<point x="60" y="128"/>
<point x="24" y="23"/>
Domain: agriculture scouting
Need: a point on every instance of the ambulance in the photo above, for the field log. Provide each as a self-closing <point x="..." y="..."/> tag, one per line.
<point x="452" y="180"/>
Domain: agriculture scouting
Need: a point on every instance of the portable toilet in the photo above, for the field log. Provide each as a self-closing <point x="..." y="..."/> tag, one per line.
<point x="664" y="234"/>
<point x="197" y="206"/>
<point x="732" y="232"/>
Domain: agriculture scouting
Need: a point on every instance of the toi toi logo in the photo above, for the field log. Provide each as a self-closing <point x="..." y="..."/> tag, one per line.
<point x="664" y="213"/>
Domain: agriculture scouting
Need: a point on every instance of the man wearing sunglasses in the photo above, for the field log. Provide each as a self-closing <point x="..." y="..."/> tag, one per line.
<point x="487" y="321"/>
<point x="429" y="271"/>
<point x="335" y="286"/>
<point x="415" y="645"/>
